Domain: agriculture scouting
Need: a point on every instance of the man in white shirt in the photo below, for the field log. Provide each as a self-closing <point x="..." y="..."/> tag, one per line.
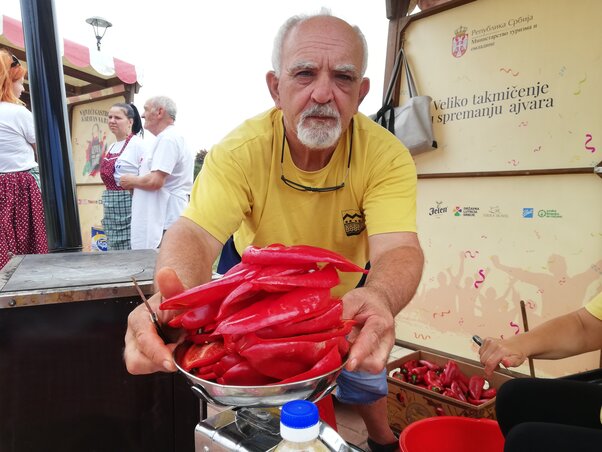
<point x="162" y="188"/>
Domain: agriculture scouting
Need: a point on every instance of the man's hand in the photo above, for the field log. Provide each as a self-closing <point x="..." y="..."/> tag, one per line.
<point x="127" y="181"/>
<point x="145" y="352"/>
<point x="374" y="335"/>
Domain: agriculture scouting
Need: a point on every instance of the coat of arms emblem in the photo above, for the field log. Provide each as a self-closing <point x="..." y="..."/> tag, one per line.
<point x="460" y="42"/>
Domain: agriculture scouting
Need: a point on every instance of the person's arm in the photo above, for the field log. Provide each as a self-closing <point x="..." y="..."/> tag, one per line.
<point x="185" y="260"/>
<point x="561" y="337"/>
<point x="396" y="261"/>
<point x="151" y="181"/>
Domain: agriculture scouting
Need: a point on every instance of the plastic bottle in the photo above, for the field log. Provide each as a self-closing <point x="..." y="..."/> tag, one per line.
<point x="300" y="427"/>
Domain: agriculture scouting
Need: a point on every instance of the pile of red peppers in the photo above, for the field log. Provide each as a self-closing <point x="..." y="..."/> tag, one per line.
<point x="270" y="319"/>
<point x="448" y="380"/>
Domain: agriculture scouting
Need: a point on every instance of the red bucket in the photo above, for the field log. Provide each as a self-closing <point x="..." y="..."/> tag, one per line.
<point x="452" y="434"/>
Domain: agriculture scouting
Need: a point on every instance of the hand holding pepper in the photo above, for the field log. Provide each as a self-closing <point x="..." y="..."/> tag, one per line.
<point x="145" y="352"/>
<point x="494" y="352"/>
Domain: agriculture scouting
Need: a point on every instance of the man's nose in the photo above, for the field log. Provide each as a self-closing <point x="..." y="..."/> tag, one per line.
<point x="323" y="90"/>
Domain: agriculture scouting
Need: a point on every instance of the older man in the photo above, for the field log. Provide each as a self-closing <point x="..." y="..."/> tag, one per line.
<point x="312" y="171"/>
<point x="162" y="188"/>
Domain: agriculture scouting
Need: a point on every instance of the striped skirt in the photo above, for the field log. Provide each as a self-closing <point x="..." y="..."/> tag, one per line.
<point x="22" y="224"/>
<point x="117" y="219"/>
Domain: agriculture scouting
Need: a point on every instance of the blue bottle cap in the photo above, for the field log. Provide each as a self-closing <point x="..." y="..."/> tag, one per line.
<point x="299" y="414"/>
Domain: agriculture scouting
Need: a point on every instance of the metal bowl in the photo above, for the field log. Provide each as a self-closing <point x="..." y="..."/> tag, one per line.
<point x="258" y="396"/>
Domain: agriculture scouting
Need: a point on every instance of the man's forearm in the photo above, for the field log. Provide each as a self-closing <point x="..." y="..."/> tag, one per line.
<point x="397" y="274"/>
<point x="186" y="251"/>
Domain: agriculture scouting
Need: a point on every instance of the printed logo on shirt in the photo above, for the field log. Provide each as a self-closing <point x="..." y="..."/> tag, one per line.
<point x="353" y="222"/>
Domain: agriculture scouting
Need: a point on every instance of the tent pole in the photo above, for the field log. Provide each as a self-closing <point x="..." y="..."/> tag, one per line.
<point x="49" y="108"/>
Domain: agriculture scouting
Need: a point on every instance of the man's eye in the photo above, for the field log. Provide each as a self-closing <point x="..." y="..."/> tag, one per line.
<point x="304" y="74"/>
<point x="345" y="77"/>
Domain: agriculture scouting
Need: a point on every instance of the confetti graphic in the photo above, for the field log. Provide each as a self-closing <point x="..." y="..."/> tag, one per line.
<point x="509" y="71"/>
<point x="442" y="313"/>
<point x="469" y="253"/>
<point x="514" y="325"/>
<point x="588" y="137"/>
<point x="421" y="336"/>
<point x="478" y="282"/>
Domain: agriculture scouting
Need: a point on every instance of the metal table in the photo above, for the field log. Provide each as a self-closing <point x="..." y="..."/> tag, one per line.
<point x="63" y="384"/>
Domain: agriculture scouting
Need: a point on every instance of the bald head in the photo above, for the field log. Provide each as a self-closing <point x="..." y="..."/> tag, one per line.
<point x="294" y="26"/>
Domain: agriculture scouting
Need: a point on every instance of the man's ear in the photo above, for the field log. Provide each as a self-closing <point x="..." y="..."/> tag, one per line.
<point x="364" y="88"/>
<point x="272" y="82"/>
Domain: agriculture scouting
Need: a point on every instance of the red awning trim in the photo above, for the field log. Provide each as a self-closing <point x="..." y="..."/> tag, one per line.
<point x="74" y="54"/>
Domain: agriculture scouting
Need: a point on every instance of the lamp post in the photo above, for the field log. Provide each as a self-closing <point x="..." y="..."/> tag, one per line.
<point x="99" y="25"/>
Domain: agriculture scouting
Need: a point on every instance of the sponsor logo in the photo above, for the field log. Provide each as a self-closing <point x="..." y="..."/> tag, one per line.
<point x="548" y="213"/>
<point x="466" y="211"/>
<point x="495" y="212"/>
<point x="460" y="42"/>
<point x="353" y="222"/>
<point x="439" y="210"/>
<point x="527" y="212"/>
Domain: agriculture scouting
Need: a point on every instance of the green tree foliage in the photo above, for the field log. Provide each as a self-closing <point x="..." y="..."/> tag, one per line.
<point x="198" y="161"/>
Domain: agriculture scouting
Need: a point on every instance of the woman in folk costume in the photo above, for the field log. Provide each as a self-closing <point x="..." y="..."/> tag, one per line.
<point x="22" y="226"/>
<point x="123" y="157"/>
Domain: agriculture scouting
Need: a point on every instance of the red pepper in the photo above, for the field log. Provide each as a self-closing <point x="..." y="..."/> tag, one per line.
<point x="450" y="373"/>
<point x="416" y="374"/>
<point x="297" y="254"/>
<point x="458" y="391"/>
<point x="489" y="393"/>
<point x="399" y="376"/>
<point x="199" y="355"/>
<point x="286" y="269"/>
<point x="243" y="374"/>
<point x="326" y="320"/>
<point x="197" y="317"/>
<point x="176" y="322"/>
<point x="251" y="339"/>
<point x="463" y="386"/>
<point x="328" y="363"/>
<point x="409" y="365"/>
<point x="227" y="361"/>
<point x="475" y="386"/>
<point x="327" y="278"/>
<point x="435" y="388"/>
<point x="240" y="266"/>
<point x="209" y="292"/>
<point x="266" y="357"/>
<point x="297" y="304"/>
<point x="207" y="376"/>
<point x="343" y="346"/>
<point x="431" y="378"/>
<point x="243" y="292"/>
<point x="202" y="338"/>
<point x="430" y="365"/>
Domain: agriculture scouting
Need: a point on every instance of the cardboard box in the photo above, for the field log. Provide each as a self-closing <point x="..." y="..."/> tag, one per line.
<point x="408" y="403"/>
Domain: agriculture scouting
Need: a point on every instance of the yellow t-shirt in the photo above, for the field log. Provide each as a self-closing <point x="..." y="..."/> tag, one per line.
<point x="594" y="307"/>
<point x="239" y="191"/>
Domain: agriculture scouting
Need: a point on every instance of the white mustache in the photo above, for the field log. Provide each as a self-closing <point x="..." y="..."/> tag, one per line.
<point x="320" y="110"/>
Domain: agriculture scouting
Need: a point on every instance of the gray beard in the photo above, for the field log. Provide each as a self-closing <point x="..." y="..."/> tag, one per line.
<point x="320" y="137"/>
